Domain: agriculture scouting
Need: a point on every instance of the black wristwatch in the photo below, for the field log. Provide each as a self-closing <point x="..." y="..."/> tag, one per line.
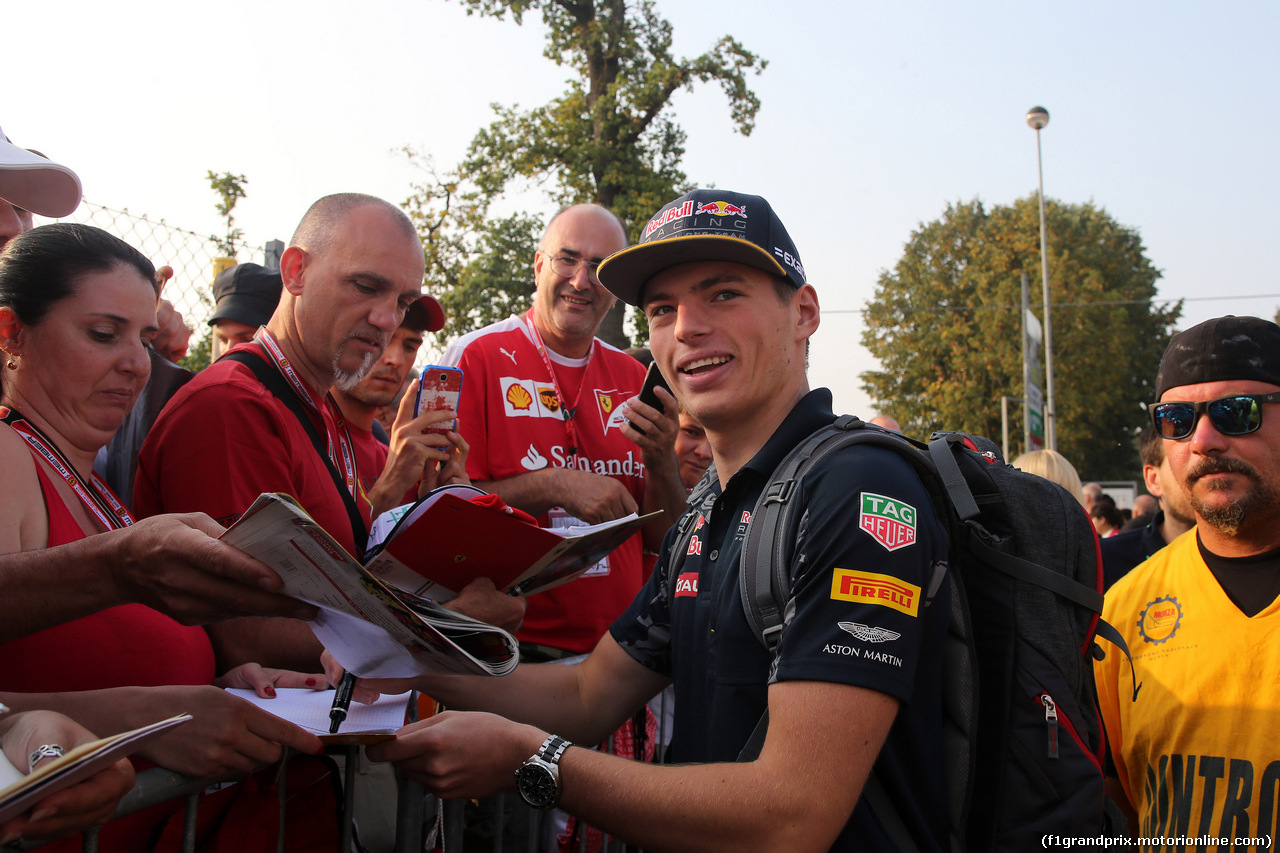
<point x="538" y="779"/>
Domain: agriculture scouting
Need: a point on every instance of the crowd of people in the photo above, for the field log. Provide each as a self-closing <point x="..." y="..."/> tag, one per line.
<point x="119" y="606"/>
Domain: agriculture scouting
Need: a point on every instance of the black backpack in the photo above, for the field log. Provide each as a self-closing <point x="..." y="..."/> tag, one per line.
<point x="1024" y="739"/>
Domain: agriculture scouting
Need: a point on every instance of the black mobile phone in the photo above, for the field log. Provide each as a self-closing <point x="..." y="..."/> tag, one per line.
<point x="439" y="389"/>
<point x="652" y="379"/>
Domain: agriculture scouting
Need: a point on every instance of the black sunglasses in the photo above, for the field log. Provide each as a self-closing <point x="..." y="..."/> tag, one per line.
<point x="1239" y="414"/>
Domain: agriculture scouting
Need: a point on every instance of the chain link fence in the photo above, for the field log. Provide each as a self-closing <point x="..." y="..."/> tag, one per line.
<point x="194" y="257"/>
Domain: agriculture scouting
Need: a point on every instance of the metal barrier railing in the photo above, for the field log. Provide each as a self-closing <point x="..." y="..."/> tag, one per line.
<point x="421" y="819"/>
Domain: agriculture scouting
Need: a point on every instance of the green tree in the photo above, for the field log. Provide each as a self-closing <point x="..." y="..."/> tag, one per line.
<point x="608" y="139"/>
<point x="229" y="189"/>
<point x="946" y="326"/>
<point x="479" y="266"/>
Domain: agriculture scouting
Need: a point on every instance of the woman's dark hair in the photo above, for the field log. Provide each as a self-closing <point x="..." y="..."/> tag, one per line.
<point x="40" y="268"/>
<point x="1106" y="510"/>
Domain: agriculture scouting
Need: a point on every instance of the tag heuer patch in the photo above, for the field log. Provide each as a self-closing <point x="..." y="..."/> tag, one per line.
<point x="890" y="522"/>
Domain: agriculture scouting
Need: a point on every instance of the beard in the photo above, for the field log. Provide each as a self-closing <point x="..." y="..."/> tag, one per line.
<point x="1230" y="518"/>
<point x="346" y="380"/>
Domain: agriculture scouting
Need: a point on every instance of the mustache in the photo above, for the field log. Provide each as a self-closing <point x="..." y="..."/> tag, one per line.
<point x="1220" y="465"/>
<point x="370" y="333"/>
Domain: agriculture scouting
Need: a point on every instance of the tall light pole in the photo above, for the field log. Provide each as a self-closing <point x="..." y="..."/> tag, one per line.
<point x="1037" y="118"/>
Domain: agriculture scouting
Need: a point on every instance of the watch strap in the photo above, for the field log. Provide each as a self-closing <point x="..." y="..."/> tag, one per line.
<point x="553" y="748"/>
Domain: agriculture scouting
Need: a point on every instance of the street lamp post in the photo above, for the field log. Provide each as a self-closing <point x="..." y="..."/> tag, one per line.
<point x="1037" y="118"/>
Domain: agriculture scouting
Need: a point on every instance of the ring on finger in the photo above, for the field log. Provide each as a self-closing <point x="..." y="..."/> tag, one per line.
<point x="47" y="750"/>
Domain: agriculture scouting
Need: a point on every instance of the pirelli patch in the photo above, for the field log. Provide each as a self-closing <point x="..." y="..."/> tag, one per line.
<point x="890" y="522"/>
<point x="872" y="588"/>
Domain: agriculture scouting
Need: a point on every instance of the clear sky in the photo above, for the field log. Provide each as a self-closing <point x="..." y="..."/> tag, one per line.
<point x="875" y="115"/>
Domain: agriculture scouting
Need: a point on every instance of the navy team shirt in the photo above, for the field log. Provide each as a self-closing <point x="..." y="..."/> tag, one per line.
<point x="869" y="552"/>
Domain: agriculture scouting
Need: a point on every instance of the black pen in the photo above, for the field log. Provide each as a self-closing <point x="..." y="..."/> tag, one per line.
<point x="341" y="701"/>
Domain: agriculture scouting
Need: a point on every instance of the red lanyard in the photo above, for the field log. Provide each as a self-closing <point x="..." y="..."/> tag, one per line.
<point x="344" y="452"/>
<point x="98" y="498"/>
<point x="569" y="411"/>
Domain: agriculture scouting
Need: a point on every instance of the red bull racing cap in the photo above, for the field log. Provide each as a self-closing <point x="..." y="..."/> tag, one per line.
<point x="704" y="225"/>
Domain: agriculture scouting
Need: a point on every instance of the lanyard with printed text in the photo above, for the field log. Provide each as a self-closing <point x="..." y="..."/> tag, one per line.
<point x="97" y="498"/>
<point x="569" y="412"/>
<point x="344" y="452"/>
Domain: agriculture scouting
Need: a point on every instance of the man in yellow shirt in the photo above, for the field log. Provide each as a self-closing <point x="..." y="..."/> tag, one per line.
<point x="1196" y="746"/>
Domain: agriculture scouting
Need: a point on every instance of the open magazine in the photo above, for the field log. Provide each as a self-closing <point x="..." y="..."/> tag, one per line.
<point x="437" y="545"/>
<point x="77" y="765"/>
<point x="377" y="628"/>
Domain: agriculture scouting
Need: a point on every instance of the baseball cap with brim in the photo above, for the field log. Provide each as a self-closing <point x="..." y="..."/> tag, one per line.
<point x="704" y="225"/>
<point x="425" y="315"/>
<point x="1223" y="349"/>
<point x="246" y="293"/>
<point x="35" y="183"/>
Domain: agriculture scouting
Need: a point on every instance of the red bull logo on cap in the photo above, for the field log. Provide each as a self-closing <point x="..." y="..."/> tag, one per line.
<point x="720" y="208"/>
<point x="668" y="215"/>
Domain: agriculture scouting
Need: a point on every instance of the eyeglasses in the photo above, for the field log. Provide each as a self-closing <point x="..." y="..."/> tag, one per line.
<point x="1239" y="414"/>
<point x="566" y="266"/>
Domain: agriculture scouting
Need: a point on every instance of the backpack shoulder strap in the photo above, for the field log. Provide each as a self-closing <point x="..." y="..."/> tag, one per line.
<point x="764" y="575"/>
<point x="766" y="554"/>
<point x="274" y="382"/>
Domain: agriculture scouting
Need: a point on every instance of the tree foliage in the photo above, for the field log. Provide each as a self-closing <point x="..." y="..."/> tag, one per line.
<point x="608" y="139"/>
<point x="229" y="189"/>
<point x="480" y="268"/>
<point x="946" y="325"/>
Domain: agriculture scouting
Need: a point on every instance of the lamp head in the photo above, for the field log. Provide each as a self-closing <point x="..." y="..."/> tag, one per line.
<point x="1037" y="117"/>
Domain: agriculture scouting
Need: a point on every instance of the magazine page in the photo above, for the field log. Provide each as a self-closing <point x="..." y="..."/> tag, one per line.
<point x="362" y="622"/>
<point x="437" y="549"/>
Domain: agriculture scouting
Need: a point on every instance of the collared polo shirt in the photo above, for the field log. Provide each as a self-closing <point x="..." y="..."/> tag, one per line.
<point x="868" y="552"/>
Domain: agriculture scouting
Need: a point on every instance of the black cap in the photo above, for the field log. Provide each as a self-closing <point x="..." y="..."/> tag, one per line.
<point x="246" y="293"/>
<point x="704" y="225"/>
<point x="1221" y="349"/>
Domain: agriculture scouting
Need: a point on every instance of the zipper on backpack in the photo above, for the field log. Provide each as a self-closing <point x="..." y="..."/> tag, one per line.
<point x="1051" y="722"/>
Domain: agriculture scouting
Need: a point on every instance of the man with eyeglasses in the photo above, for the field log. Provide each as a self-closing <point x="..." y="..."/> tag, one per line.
<point x="1196" y="746"/>
<point x="547" y="410"/>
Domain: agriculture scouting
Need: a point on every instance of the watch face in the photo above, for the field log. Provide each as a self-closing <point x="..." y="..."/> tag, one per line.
<point x="537" y="786"/>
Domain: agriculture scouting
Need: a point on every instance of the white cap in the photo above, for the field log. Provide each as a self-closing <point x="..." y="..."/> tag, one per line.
<point x="35" y="183"/>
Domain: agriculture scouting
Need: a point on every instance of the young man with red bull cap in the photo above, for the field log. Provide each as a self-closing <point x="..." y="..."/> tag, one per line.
<point x="856" y="678"/>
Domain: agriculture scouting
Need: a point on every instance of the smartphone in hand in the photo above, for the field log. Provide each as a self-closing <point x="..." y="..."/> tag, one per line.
<point x="652" y="379"/>
<point x="439" y="388"/>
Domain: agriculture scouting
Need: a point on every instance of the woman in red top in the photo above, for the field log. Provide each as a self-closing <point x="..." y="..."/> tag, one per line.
<point x="77" y="309"/>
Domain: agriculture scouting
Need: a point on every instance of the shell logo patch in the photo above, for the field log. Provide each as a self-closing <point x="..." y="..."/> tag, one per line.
<point x="890" y="522"/>
<point x="518" y="397"/>
<point x="1160" y="620"/>
<point x="872" y="588"/>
